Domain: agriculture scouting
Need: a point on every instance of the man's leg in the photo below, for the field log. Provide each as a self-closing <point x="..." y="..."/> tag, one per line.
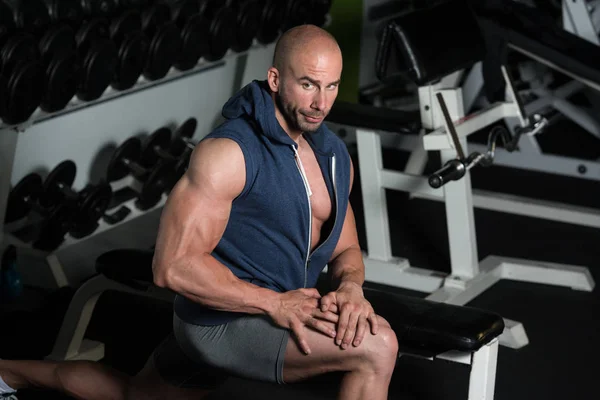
<point x="368" y="367"/>
<point x="88" y="380"/>
<point x="80" y="379"/>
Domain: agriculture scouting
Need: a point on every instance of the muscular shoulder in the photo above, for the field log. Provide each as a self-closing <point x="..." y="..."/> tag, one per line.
<point x="217" y="165"/>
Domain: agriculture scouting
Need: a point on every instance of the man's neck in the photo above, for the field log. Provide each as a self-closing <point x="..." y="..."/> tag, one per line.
<point x="295" y="135"/>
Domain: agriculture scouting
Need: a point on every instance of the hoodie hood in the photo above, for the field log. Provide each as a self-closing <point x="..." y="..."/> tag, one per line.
<point x="254" y="102"/>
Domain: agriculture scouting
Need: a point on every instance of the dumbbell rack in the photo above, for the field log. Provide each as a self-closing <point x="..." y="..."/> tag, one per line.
<point x="49" y="269"/>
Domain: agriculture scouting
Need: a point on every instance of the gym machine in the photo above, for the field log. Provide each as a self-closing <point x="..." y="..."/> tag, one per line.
<point x="445" y="128"/>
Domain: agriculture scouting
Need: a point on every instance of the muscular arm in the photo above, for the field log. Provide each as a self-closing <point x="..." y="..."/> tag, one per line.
<point x="346" y="264"/>
<point x="192" y="223"/>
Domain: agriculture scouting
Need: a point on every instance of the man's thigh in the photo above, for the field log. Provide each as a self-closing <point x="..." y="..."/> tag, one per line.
<point x="326" y="356"/>
<point x="251" y="347"/>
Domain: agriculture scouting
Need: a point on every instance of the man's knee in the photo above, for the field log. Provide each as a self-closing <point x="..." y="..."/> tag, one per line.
<point x="382" y="349"/>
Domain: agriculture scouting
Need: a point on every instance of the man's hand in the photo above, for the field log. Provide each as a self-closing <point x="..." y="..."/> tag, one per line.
<point x="355" y="313"/>
<point x="298" y="309"/>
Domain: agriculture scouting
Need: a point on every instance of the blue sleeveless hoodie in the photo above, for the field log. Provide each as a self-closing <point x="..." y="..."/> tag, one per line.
<point x="267" y="238"/>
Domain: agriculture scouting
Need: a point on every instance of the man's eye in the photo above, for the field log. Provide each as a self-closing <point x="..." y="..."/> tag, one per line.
<point x="307" y="85"/>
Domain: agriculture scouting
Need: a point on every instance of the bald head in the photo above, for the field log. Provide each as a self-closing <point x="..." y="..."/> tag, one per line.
<point x="305" y="40"/>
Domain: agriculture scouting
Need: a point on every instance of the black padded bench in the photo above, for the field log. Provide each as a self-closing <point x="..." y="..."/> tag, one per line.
<point x="424" y="328"/>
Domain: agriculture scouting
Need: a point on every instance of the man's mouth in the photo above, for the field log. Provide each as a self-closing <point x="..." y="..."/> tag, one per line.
<point x="313" y="119"/>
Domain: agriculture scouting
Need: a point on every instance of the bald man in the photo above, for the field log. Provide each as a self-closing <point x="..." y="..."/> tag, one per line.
<point x="244" y="236"/>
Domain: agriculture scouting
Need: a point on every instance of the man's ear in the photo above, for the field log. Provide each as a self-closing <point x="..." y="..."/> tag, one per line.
<point x="274" y="79"/>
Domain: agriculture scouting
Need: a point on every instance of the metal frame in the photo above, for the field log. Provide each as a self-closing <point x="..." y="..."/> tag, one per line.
<point x="468" y="277"/>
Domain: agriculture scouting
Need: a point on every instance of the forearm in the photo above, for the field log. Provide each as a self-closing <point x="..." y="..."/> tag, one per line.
<point x="347" y="267"/>
<point x="208" y="282"/>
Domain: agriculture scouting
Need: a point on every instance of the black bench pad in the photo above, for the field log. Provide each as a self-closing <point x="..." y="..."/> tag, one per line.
<point x="423" y="327"/>
<point x="528" y="29"/>
<point x="375" y="118"/>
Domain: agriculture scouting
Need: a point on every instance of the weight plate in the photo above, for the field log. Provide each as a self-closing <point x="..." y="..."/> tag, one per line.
<point x="99" y="8"/>
<point x="62" y="176"/>
<point x="165" y="49"/>
<point x="154" y="17"/>
<point x="32" y="16"/>
<point x="94" y="30"/>
<point x="62" y="81"/>
<point x="68" y="11"/>
<point x="98" y="70"/>
<point x="195" y="44"/>
<point x="57" y="42"/>
<point x="319" y="10"/>
<point x="183" y="11"/>
<point x="54" y="228"/>
<point x="93" y="204"/>
<point x="297" y="13"/>
<point x="161" y="139"/>
<point x="125" y="24"/>
<point x="156" y="184"/>
<point x="271" y="21"/>
<point x="20" y="47"/>
<point x="7" y="23"/>
<point x="20" y="198"/>
<point x="25" y="88"/>
<point x="187" y="129"/>
<point x="222" y="34"/>
<point x="131" y="150"/>
<point x="248" y="23"/>
<point x="133" y="54"/>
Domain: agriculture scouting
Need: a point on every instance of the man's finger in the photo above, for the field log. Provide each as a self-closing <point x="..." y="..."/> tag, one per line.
<point x="342" y="324"/>
<point x="321" y="326"/>
<point x="351" y="330"/>
<point x="327" y="301"/>
<point x="374" y="323"/>
<point x="298" y="329"/>
<point x="334" y="308"/>
<point x="312" y="292"/>
<point x="360" y="331"/>
<point x="327" y="316"/>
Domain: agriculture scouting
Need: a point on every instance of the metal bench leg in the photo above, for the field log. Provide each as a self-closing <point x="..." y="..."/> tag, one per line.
<point x="482" y="380"/>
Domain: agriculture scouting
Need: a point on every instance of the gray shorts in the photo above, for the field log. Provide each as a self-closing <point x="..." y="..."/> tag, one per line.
<point x="251" y="347"/>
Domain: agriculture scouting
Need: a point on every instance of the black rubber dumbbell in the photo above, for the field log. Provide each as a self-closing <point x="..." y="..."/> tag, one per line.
<point x="125" y="161"/>
<point x="68" y="12"/>
<point x="165" y="40"/>
<point x="319" y="10"/>
<point x="55" y="222"/>
<point x="132" y="44"/>
<point x="194" y="32"/>
<point x="89" y="205"/>
<point x="24" y="74"/>
<point x="221" y="27"/>
<point x="7" y="27"/>
<point x="30" y="15"/>
<point x="59" y="57"/>
<point x="182" y="138"/>
<point x="98" y="59"/>
<point x="271" y="22"/>
<point x="248" y="14"/>
<point x="99" y="8"/>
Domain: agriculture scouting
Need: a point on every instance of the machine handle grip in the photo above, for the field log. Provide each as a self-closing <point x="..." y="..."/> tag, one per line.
<point x="451" y="171"/>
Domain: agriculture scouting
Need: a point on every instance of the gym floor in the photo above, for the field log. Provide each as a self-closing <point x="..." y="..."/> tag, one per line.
<point x="562" y="324"/>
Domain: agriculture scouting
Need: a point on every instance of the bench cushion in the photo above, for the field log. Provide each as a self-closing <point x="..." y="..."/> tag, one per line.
<point x="429" y="44"/>
<point x="375" y="118"/>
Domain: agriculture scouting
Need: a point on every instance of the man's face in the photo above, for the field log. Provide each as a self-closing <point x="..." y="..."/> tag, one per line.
<point x="307" y="90"/>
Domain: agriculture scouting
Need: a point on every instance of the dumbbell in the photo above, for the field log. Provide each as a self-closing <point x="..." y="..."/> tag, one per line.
<point x="221" y="27"/>
<point x="165" y="40"/>
<point x="98" y="59"/>
<point x="30" y="15"/>
<point x="248" y="14"/>
<point x="99" y="8"/>
<point x="320" y="9"/>
<point x="194" y="32"/>
<point x="297" y="12"/>
<point x="7" y="27"/>
<point x="126" y="32"/>
<point x="59" y="57"/>
<point x="23" y="199"/>
<point x="89" y="205"/>
<point x="68" y="12"/>
<point x="125" y="161"/>
<point x="24" y="74"/>
<point x="271" y="22"/>
<point x="182" y="138"/>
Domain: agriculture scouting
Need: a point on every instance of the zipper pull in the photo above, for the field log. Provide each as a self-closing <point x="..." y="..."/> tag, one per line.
<point x="302" y="172"/>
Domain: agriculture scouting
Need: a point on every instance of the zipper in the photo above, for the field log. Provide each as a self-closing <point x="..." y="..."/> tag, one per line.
<point x="308" y="194"/>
